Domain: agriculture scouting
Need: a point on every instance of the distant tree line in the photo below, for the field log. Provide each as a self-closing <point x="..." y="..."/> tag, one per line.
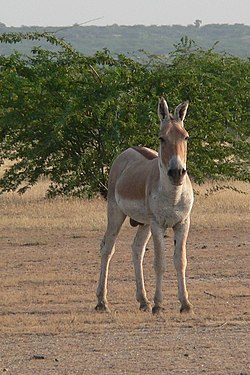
<point x="159" y="40"/>
<point x="66" y="115"/>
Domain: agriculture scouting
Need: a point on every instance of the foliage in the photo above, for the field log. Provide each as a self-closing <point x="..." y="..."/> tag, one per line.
<point x="66" y="116"/>
<point x="233" y="39"/>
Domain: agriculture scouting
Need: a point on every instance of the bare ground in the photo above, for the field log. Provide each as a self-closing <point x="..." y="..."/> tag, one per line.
<point x="49" y="272"/>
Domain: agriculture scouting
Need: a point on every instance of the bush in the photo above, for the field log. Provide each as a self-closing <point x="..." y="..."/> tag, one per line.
<point x="66" y="116"/>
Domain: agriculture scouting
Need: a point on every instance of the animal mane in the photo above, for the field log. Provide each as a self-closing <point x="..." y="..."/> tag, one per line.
<point x="146" y="152"/>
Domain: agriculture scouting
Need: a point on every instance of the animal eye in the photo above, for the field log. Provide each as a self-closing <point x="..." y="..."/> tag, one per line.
<point x="162" y="139"/>
<point x="186" y="138"/>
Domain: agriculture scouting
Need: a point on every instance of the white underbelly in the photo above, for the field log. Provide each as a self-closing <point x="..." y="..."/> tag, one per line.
<point x="135" y="209"/>
<point x="166" y="215"/>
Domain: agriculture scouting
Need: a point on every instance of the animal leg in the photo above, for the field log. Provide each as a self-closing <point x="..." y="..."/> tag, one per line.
<point x="138" y="250"/>
<point x="180" y="262"/>
<point x="159" y="265"/>
<point x="115" y="220"/>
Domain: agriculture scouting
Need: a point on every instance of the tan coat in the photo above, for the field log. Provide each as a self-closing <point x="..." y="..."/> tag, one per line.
<point x="155" y="192"/>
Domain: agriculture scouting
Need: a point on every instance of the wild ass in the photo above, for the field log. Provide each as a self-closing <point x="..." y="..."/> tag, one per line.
<point x="155" y="192"/>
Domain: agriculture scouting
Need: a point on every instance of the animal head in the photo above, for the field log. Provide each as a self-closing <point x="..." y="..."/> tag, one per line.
<point x="173" y="141"/>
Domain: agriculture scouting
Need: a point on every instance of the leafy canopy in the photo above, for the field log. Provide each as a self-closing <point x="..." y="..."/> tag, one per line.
<point x="66" y="116"/>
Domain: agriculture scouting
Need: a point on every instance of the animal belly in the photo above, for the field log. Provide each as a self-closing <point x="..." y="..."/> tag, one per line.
<point x="135" y="209"/>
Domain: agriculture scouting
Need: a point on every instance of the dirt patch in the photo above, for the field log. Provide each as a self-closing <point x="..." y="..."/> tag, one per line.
<point x="49" y="275"/>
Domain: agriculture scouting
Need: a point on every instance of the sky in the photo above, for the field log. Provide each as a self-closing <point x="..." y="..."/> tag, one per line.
<point x="126" y="12"/>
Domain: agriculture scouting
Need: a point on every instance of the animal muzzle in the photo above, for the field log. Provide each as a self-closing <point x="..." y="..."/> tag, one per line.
<point x="177" y="175"/>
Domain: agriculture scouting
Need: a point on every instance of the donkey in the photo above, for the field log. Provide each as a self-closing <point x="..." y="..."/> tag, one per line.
<point x="154" y="191"/>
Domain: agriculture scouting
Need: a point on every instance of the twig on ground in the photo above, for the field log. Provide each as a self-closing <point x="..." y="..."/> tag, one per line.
<point x="210" y="294"/>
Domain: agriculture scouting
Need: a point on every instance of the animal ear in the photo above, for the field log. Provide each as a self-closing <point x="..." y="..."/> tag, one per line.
<point x="163" y="111"/>
<point x="181" y="111"/>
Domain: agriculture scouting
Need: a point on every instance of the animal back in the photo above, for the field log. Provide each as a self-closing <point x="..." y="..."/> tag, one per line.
<point x="146" y="152"/>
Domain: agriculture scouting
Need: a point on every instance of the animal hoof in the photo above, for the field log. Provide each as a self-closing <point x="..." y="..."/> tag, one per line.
<point x="145" y="307"/>
<point x="156" y="310"/>
<point x="102" y="307"/>
<point x="187" y="308"/>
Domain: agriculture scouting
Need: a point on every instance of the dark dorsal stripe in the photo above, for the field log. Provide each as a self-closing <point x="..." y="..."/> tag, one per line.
<point x="146" y="152"/>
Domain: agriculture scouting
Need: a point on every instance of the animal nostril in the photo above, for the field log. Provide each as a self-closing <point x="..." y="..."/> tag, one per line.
<point x="171" y="173"/>
<point x="177" y="173"/>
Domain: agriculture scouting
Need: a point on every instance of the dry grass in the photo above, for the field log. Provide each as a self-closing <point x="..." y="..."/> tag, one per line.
<point x="222" y="208"/>
<point x="49" y="268"/>
<point x="33" y="210"/>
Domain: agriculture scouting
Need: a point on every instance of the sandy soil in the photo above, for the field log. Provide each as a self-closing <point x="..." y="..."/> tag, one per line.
<point x="48" y="324"/>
